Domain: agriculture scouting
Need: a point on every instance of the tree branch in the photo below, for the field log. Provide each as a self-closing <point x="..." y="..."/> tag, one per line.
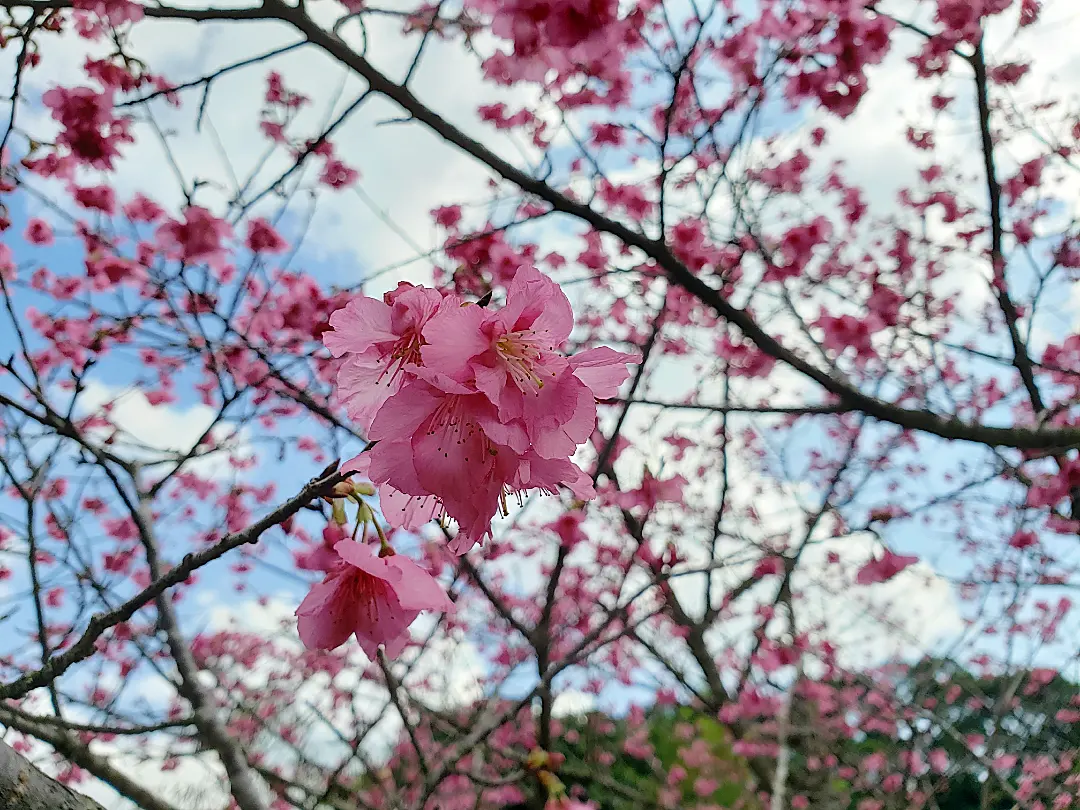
<point x="1030" y="438"/>
<point x="24" y="787"/>
<point x="85" y="646"/>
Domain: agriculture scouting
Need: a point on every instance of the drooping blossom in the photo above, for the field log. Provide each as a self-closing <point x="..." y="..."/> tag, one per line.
<point x="441" y="452"/>
<point x="469" y="406"/>
<point x="374" y="596"/>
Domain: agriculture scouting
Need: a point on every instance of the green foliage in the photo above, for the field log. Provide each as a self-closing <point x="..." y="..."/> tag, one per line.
<point x="597" y="765"/>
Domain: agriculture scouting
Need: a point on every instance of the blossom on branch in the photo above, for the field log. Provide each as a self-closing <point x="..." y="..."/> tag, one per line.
<point x="467" y="405"/>
<point x="372" y="596"/>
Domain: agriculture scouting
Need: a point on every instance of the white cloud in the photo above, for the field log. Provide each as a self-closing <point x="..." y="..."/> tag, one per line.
<point x="150" y="432"/>
<point x="570" y="702"/>
<point x="406" y="171"/>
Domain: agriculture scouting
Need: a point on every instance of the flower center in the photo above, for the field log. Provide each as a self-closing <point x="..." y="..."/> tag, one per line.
<point x="366" y="592"/>
<point x="456" y="431"/>
<point x="521" y="353"/>
<point x="405" y="352"/>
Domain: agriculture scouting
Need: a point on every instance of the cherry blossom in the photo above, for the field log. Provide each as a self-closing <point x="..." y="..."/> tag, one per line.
<point x="374" y="596"/>
<point x="884" y="568"/>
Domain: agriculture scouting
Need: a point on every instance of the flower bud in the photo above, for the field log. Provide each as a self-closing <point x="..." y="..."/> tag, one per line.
<point x="343" y="489"/>
<point x="538" y="758"/>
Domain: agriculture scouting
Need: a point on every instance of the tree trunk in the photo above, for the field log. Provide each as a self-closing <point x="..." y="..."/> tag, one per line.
<point x="24" y="787"/>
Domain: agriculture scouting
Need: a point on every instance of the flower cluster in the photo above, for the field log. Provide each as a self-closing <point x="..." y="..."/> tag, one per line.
<point x="467" y="406"/>
<point x="464" y="406"/>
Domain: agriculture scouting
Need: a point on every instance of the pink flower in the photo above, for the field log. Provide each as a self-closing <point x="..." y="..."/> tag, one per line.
<point x="448" y="216"/>
<point x="469" y="406"/>
<point x="513" y="350"/>
<point x="107" y="270"/>
<point x="512" y="356"/>
<point x="7" y="262"/>
<point x="199" y="238"/>
<point x="844" y="331"/>
<point x="100" y="198"/>
<point x="433" y="443"/>
<point x="337" y="174"/>
<point x="262" y="238"/>
<point x="116" y="12"/>
<point x="382" y="340"/>
<point x="38" y="232"/>
<point x="370" y="596"/>
<point x="143" y="209"/>
<point x="884" y="569"/>
<point x="88" y="128"/>
<point x="440" y="452"/>
<point x="568" y="527"/>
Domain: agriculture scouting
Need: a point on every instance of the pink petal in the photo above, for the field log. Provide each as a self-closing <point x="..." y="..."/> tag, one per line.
<point x="395" y="644"/>
<point x="463" y="543"/>
<point x="443" y="383"/>
<point x="414" y="403"/>
<point x="560" y="417"/>
<point x="409" y="512"/>
<point x="363" y="386"/>
<point x="392" y="464"/>
<point x="536" y="303"/>
<point x="453" y="338"/>
<point x="548" y="474"/>
<point x="496" y="386"/>
<point x="358" y="326"/>
<point x="386" y="624"/>
<point x="555" y="316"/>
<point x="323" y="618"/>
<point x="602" y="369"/>
<point x="363" y="556"/>
<point x="357" y="464"/>
<point x="418" y="590"/>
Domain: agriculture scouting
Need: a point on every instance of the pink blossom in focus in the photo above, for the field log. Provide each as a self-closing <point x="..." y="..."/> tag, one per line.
<point x="469" y="406"/>
<point x="513" y="356"/>
<point x="370" y="596"/>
